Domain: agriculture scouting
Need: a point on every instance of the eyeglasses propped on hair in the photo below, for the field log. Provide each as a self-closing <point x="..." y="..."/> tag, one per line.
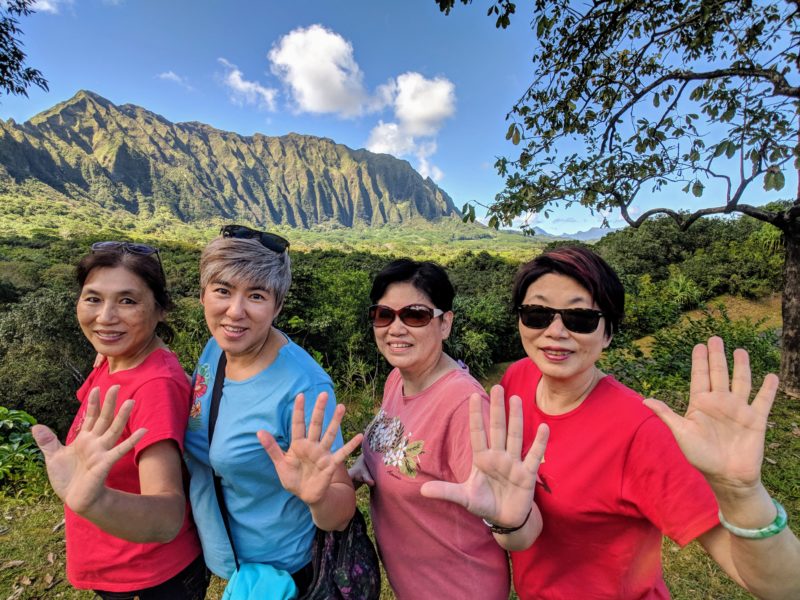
<point x="131" y="248"/>
<point x="413" y="315"/>
<point x="577" y="320"/>
<point x="270" y="241"/>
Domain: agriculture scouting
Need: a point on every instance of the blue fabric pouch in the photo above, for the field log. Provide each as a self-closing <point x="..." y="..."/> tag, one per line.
<point x="256" y="580"/>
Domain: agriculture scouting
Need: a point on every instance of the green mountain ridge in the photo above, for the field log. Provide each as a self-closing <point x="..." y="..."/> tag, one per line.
<point x="89" y="152"/>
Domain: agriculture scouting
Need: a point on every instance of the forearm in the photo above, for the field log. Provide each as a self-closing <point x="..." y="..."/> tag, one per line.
<point x="138" y="518"/>
<point x="768" y="567"/>
<point x="336" y="508"/>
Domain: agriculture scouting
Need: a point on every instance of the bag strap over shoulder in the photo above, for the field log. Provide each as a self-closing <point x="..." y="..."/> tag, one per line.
<point x="213" y="413"/>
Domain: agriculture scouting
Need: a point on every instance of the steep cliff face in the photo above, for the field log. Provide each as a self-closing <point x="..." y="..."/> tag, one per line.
<point x="125" y="157"/>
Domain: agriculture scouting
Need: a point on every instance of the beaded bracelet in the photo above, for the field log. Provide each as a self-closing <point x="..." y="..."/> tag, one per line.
<point x="506" y="530"/>
<point x="774" y="528"/>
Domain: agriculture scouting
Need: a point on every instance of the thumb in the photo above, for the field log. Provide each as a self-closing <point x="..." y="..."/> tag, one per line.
<point x="271" y="446"/>
<point x="46" y="440"/>
<point x="443" y="490"/>
<point x="665" y="413"/>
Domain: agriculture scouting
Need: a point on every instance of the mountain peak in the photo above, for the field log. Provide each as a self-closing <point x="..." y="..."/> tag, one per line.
<point x="126" y="157"/>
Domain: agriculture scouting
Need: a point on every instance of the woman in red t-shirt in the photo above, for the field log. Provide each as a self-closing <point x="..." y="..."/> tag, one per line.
<point x="128" y="526"/>
<point x="614" y="478"/>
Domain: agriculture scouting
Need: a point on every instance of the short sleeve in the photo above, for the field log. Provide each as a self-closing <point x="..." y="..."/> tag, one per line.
<point x="661" y="483"/>
<point x="162" y="407"/>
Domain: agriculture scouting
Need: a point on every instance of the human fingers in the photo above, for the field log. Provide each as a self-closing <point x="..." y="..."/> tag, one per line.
<point x="317" y="417"/>
<point x="765" y="397"/>
<point x="718" y="365"/>
<point x="497" y="419"/>
<point x="359" y="473"/>
<point x="700" y="381"/>
<point x="342" y="453"/>
<point x="742" y="382"/>
<point x="443" y="490"/>
<point x="106" y="411"/>
<point x="126" y="446"/>
<point x="514" y="442"/>
<point x="117" y="426"/>
<point x="92" y="410"/>
<point x="46" y="440"/>
<point x="270" y="445"/>
<point x="299" y="417"/>
<point x="326" y="441"/>
<point x="477" y="433"/>
<point x="536" y="452"/>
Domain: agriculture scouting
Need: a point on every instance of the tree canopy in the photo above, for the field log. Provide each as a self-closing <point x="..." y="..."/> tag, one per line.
<point x="15" y="77"/>
<point x="629" y="98"/>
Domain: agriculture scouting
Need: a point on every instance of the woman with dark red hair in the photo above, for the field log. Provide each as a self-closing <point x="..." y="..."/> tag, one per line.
<point x="619" y="472"/>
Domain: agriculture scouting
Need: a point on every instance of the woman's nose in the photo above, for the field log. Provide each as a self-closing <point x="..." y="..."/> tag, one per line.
<point x="397" y="326"/>
<point x="235" y="306"/>
<point x="108" y="313"/>
<point x="556" y="327"/>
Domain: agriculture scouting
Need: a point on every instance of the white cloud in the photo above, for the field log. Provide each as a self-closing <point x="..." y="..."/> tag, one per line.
<point x="247" y="92"/>
<point x="423" y="104"/>
<point x="387" y="138"/>
<point x="51" y="6"/>
<point x="173" y="77"/>
<point x="318" y="67"/>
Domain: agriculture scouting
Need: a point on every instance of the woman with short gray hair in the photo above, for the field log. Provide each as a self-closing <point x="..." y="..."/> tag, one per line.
<point x="273" y="506"/>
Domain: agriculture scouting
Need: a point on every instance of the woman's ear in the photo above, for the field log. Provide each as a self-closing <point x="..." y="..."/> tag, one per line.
<point x="447" y="324"/>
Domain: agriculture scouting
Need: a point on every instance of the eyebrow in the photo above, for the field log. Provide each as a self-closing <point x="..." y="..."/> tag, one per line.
<point x="116" y="293"/>
<point x="231" y="285"/>
<point x="570" y="302"/>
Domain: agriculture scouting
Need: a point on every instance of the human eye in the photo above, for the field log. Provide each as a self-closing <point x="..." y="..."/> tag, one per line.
<point x="89" y="299"/>
<point x="128" y="301"/>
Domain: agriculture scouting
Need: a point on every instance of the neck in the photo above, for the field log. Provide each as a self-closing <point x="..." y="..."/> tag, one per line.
<point x="415" y="382"/>
<point x="123" y="363"/>
<point x="558" y="397"/>
<point x="245" y="365"/>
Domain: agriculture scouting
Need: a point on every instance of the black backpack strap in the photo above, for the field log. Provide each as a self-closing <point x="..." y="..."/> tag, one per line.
<point x="213" y="412"/>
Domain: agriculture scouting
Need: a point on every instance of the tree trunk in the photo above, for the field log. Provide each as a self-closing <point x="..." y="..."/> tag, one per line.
<point x="790" y="307"/>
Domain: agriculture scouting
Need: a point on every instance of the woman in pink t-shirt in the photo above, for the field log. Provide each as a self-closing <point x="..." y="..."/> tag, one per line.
<point x="430" y="548"/>
<point x="128" y="525"/>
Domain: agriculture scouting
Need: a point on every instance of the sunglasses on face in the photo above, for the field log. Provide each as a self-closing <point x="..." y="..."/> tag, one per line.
<point x="270" y="241"/>
<point x="414" y="315"/>
<point x="577" y="320"/>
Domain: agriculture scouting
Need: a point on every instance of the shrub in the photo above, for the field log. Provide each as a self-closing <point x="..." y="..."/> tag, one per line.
<point x="18" y="452"/>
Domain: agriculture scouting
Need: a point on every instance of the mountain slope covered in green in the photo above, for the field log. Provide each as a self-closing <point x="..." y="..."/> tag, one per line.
<point x="89" y="152"/>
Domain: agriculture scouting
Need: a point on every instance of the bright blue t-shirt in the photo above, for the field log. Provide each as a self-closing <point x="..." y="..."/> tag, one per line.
<point x="269" y="525"/>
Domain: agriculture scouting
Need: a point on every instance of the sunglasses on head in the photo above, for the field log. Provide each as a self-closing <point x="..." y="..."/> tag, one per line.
<point x="577" y="320"/>
<point x="130" y="248"/>
<point x="413" y="315"/>
<point x="270" y="241"/>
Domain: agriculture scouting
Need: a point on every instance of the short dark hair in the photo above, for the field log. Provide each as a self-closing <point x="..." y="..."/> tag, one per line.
<point x="428" y="277"/>
<point x="585" y="267"/>
<point x="144" y="266"/>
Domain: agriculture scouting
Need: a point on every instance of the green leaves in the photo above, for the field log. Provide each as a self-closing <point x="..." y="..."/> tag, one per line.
<point x="774" y="179"/>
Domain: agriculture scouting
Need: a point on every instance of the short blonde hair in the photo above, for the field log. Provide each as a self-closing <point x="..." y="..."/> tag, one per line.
<point x="229" y="259"/>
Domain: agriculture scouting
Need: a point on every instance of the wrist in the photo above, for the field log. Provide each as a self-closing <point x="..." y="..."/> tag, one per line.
<point x="505" y="530"/>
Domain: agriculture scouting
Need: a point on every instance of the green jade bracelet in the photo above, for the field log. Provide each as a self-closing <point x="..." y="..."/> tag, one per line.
<point x="774" y="528"/>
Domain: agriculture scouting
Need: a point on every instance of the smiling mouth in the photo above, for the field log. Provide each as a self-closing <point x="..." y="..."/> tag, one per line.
<point x="399" y="345"/>
<point x="109" y="336"/>
<point x="556" y="353"/>
<point x="233" y="329"/>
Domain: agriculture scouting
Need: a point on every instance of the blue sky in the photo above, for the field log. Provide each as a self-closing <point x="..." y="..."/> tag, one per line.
<point x="391" y="76"/>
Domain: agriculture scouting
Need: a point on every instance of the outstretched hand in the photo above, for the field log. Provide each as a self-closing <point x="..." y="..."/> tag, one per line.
<point x="78" y="472"/>
<point x="501" y="485"/>
<point x="308" y="466"/>
<point x="722" y="434"/>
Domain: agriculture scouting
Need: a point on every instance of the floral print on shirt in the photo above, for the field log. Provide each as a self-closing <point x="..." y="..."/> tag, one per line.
<point x="386" y="435"/>
<point x="200" y="388"/>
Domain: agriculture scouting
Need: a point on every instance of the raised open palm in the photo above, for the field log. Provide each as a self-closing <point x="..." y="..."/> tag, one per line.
<point x="308" y="466"/>
<point x="501" y="485"/>
<point x="722" y="433"/>
<point x="78" y="472"/>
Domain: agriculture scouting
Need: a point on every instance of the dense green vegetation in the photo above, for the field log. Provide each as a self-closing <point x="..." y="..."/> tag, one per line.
<point x="43" y="355"/>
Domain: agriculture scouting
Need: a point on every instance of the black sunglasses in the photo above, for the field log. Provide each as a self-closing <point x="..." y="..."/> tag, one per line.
<point x="413" y="315"/>
<point x="577" y="320"/>
<point x="270" y="241"/>
<point x="131" y="248"/>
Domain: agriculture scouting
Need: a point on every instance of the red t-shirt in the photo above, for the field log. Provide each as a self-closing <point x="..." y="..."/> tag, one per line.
<point x="612" y="481"/>
<point x="430" y="548"/>
<point x="96" y="559"/>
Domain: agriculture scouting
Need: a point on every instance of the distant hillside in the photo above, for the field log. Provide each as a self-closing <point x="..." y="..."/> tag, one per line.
<point x="89" y="152"/>
<point x="590" y="235"/>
